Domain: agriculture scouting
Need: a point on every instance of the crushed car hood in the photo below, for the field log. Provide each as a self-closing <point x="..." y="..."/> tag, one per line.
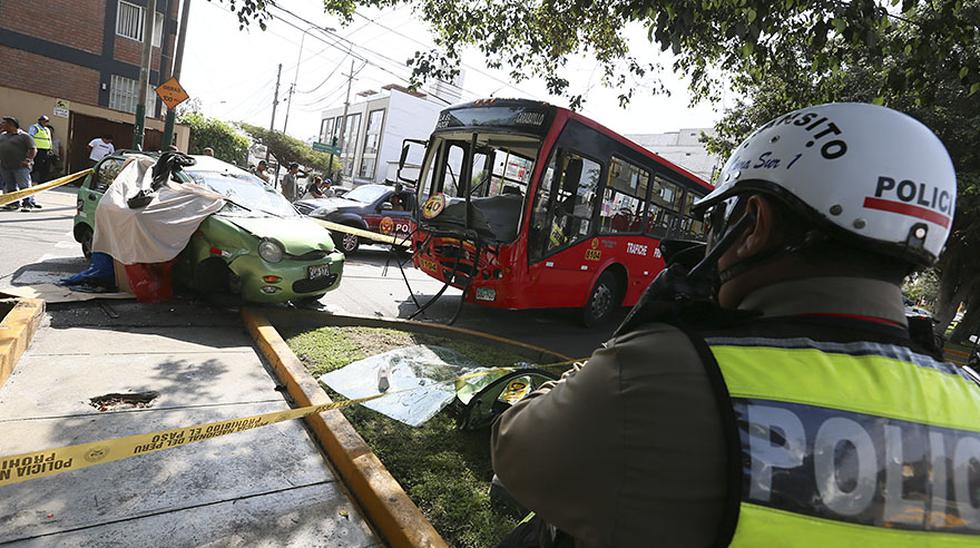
<point x="297" y="235"/>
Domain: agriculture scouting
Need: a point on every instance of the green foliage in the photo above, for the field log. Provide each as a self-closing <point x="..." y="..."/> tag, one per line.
<point x="290" y="149"/>
<point x="445" y="471"/>
<point x="923" y="288"/>
<point x="228" y="144"/>
<point x="711" y="40"/>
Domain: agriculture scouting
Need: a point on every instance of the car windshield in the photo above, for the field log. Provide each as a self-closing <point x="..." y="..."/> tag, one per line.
<point x="247" y="195"/>
<point x="366" y="194"/>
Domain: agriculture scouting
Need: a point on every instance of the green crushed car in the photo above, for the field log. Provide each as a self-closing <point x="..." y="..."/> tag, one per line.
<point x="258" y="247"/>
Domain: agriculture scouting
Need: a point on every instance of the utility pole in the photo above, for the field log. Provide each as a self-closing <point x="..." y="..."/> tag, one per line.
<point x="343" y="119"/>
<point x="272" y="125"/>
<point x="168" y="127"/>
<point x="139" y="128"/>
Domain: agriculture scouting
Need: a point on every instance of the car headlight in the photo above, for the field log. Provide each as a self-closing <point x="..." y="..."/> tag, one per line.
<point x="270" y="251"/>
<point x="320" y="212"/>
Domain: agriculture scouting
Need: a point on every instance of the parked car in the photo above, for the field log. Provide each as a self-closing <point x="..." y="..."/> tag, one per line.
<point x="379" y="208"/>
<point x="258" y="247"/>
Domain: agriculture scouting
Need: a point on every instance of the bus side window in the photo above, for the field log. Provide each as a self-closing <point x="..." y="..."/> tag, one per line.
<point x="665" y="201"/>
<point x="575" y="201"/>
<point x="623" y="198"/>
<point x="692" y="226"/>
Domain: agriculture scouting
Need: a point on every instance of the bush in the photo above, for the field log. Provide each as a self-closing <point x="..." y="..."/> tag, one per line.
<point x="228" y="144"/>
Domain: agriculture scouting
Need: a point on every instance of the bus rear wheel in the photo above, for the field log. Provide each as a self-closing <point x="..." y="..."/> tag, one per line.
<point x="602" y="302"/>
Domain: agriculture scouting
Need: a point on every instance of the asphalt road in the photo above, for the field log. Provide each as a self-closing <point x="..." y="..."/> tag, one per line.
<point x="38" y="247"/>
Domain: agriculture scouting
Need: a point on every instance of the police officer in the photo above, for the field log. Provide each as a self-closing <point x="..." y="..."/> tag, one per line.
<point x="799" y="411"/>
<point x="42" y="139"/>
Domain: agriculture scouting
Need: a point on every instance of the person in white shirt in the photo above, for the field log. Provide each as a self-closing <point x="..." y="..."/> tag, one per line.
<point x="99" y="148"/>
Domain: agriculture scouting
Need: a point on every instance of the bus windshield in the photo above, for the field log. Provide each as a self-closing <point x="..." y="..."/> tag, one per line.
<point x="493" y="168"/>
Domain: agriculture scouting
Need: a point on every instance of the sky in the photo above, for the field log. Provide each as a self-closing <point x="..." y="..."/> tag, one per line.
<point x="233" y="72"/>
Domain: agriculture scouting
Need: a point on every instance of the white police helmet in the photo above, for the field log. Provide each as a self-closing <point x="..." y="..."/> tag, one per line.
<point x="868" y="174"/>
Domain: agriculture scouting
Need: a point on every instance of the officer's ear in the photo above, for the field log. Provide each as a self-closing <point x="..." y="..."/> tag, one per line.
<point x="761" y="235"/>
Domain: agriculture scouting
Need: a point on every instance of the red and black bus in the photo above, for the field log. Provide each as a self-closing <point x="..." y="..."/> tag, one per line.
<point x="528" y="205"/>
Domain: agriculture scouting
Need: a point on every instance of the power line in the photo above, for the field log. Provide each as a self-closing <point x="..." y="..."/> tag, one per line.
<point x="320" y="85"/>
<point x="474" y="69"/>
<point x="353" y="44"/>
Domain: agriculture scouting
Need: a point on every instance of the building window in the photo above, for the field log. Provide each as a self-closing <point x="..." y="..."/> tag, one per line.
<point x="372" y="139"/>
<point x="623" y="198"/>
<point x="373" y="135"/>
<point x="367" y="167"/>
<point x="351" y="130"/>
<point x="123" y="92"/>
<point x="129" y="23"/>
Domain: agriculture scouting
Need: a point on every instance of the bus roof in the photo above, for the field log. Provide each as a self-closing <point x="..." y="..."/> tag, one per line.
<point x="589" y="122"/>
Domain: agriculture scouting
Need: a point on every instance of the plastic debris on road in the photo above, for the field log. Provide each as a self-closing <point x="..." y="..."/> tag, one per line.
<point x="429" y="368"/>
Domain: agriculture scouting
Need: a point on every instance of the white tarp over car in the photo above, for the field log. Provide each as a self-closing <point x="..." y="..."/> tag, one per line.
<point x="157" y="232"/>
<point x="426" y="374"/>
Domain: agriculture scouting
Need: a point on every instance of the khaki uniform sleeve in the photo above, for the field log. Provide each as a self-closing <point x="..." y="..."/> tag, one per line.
<point x="626" y="449"/>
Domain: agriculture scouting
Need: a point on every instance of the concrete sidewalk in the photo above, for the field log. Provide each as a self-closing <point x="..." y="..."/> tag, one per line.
<point x="269" y="486"/>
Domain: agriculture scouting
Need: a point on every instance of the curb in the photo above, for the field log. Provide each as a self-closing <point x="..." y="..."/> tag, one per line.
<point x="16" y="331"/>
<point x="398" y="520"/>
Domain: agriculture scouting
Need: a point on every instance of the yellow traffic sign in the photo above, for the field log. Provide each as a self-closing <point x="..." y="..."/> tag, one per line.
<point x="171" y="93"/>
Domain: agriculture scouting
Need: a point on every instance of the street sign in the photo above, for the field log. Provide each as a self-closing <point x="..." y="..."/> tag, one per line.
<point x="61" y="108"/>
<point x="323" y="147"/>
<point x="171" y="93"/>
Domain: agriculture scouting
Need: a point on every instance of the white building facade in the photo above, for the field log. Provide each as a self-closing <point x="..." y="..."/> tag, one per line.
<point x="683" y="147"/>
<point x="371" y="136"/>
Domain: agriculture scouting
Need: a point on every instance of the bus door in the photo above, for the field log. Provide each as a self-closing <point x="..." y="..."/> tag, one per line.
<point x="562" y="251"/>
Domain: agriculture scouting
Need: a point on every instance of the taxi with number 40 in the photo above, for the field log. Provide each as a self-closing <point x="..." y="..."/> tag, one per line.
<point x="256" y="247"/>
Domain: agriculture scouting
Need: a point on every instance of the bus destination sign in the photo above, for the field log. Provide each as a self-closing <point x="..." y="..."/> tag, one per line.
<point x="519" y="117"/>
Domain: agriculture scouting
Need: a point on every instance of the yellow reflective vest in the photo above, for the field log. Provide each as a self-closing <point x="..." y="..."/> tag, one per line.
<point x="849" y="444"/>
<point x="41" y="136"/>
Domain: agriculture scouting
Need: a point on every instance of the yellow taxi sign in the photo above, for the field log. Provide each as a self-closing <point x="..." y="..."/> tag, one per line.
<point x="171" y="93"/>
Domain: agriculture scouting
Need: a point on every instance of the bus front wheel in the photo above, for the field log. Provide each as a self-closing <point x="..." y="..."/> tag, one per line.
<point x="602" y="302"/>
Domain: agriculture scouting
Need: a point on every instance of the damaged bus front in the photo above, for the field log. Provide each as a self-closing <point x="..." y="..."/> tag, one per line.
<point x="473" y="187"/>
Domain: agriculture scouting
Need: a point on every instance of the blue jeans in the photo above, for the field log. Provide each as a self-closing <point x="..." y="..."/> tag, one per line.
<point x="17" y="179"/>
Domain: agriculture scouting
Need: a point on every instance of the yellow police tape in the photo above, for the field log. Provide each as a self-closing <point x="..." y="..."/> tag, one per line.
<point x="11" y="197"/>
<point x="50" y="462"/>
<point x="367" y="234"/>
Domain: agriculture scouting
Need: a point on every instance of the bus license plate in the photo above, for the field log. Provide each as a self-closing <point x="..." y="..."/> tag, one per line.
<point x="318" y="271"/>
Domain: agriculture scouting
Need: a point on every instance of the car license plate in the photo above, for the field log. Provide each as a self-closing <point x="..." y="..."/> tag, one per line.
<point x="318" y="271"/>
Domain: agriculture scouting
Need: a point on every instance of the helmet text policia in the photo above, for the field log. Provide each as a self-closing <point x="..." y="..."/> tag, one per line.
<point x="864" y="174"/>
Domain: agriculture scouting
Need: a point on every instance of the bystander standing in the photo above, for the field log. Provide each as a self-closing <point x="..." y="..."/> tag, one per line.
<point x="208" y="151"/>
<point x="289" y="182"/>
<point x="17" y="152"/>
<point x="99" y="148"/>
<point x="260" y="171"/>
<point x="57" y="156"/>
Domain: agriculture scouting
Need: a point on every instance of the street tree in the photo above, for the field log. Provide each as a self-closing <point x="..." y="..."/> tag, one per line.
<point x="290" y="149"/>
<point x="228" y="143"/>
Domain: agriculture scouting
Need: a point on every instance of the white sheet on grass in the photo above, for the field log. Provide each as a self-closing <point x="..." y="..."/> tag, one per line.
<point x="155" y="233"/>
<point x="429" y="371"/>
